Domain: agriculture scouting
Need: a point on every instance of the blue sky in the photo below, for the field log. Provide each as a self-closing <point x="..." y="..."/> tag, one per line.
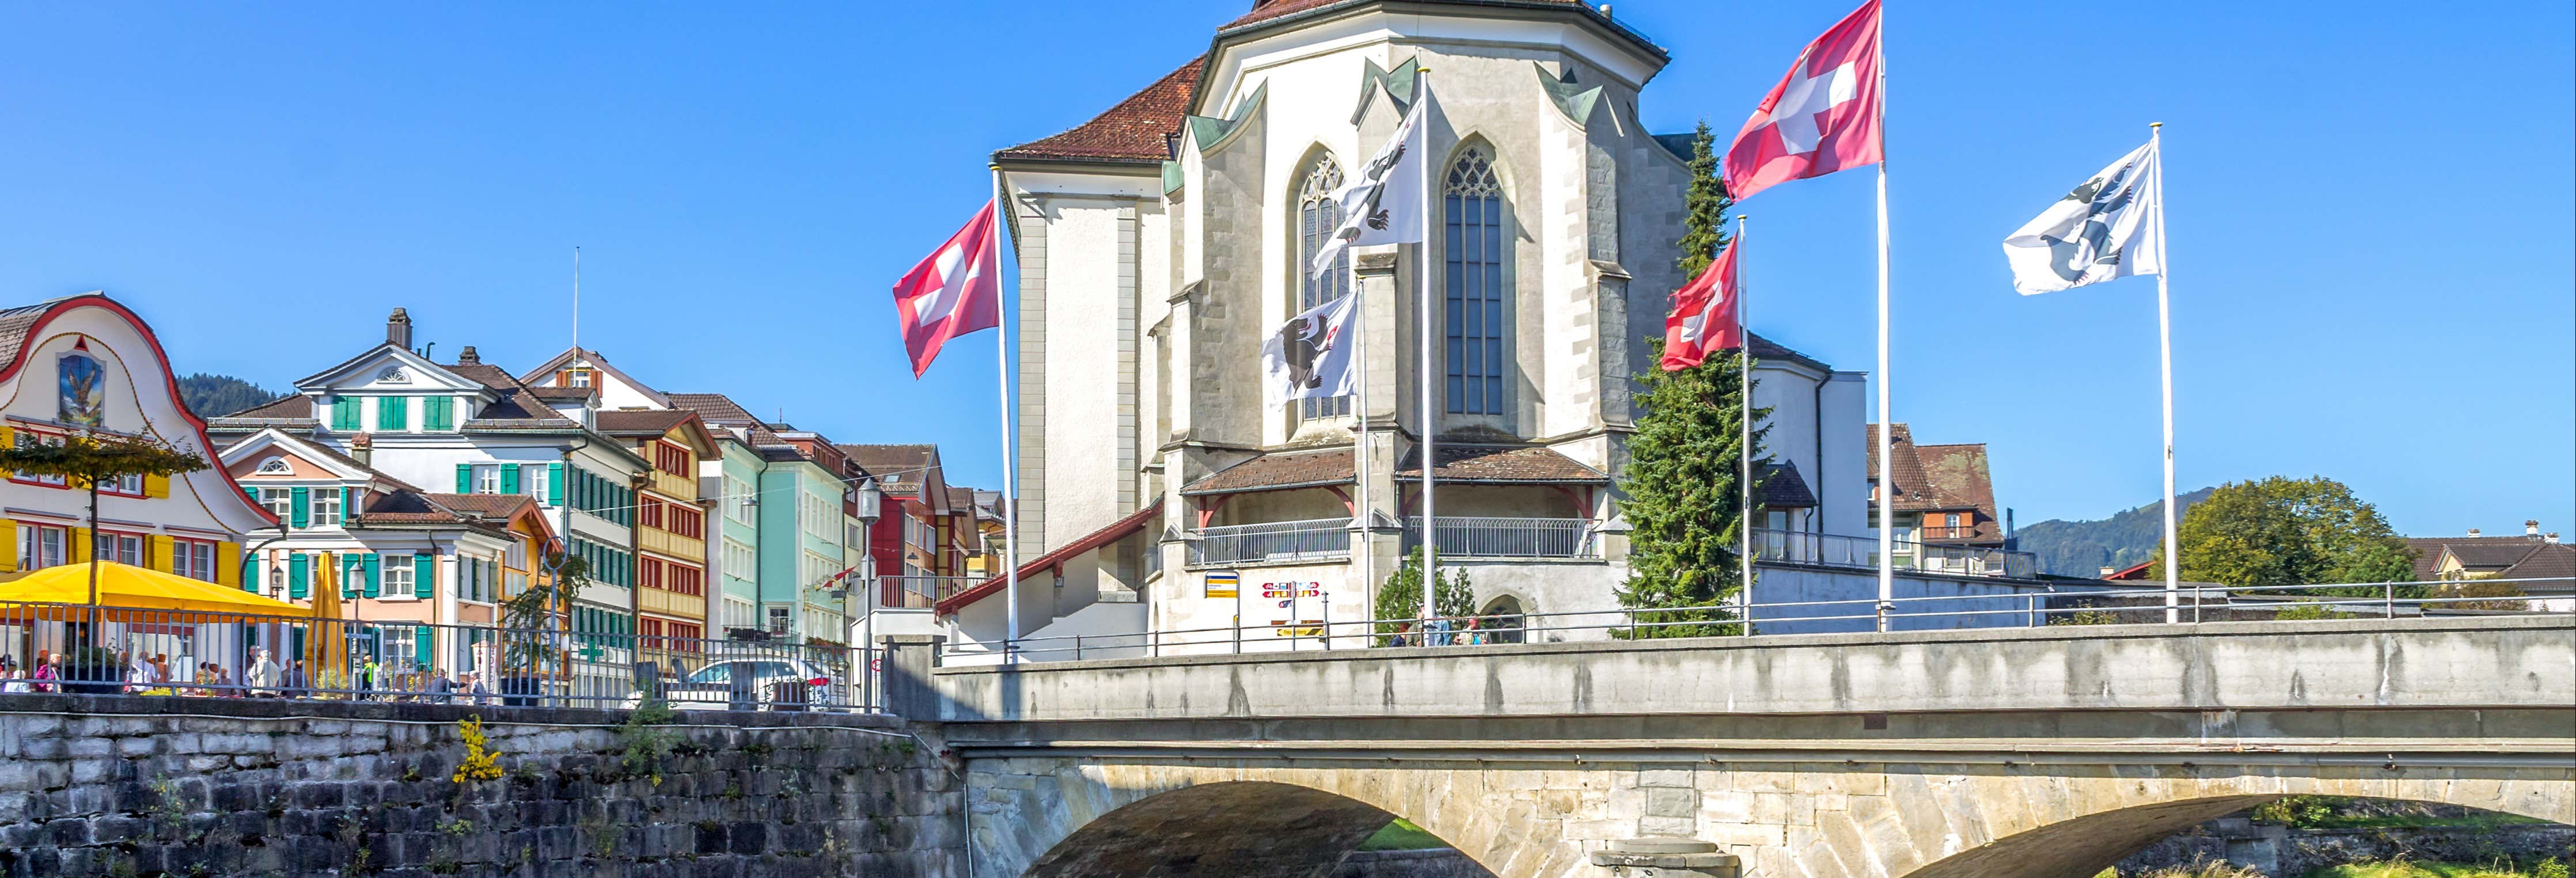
<point x="2369" y="209"/>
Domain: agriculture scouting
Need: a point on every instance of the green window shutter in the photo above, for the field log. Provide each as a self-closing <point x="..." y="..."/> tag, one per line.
<point x="424" y="575"/>
<point x="344" y="413"/>
<point x="464" y="478"/>
<point x="299" y="575"/>
<point x="438" y="413"/>
<point x="424" y="642"/>
<point x="374" y="574"/>
<point x="300" y="507"/>
<point x="250" y="492"/>
<point x="393" y="413"/>
<point x="510" y="478"/>
<point x="554" y="484"/>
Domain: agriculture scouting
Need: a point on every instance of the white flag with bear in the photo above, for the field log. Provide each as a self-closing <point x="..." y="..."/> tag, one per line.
<point x="2104" y="229"/>
<point x="1310" y="356"/>
<point x="1383" y="206"/>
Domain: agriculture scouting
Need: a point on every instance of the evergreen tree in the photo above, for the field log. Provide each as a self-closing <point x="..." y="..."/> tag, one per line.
<point x="1683" y="481"/>
<point x="1401" y="598"/>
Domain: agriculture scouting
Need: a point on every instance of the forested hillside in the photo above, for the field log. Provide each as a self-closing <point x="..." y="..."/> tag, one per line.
<point x="213" y="396"/>
<point x="2083" y="548"/>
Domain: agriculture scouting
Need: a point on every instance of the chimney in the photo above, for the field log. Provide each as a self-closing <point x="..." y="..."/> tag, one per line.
<point x="2473" y="532"/>
<point x="468" y="356"/>
<point x="362" y="450"/>
<point x="2531" y="527"/>
<point x="398" y="330"/>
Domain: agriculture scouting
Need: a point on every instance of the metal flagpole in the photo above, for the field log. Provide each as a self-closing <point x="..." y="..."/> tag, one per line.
<point x="1430" y="422"/>
<point x="2164" y="337"/>
<point x="1886" y="420"/>
<point x="1744" y="370"/>
<point x="1360" y="516"/>
<point x="1010" y="469"/>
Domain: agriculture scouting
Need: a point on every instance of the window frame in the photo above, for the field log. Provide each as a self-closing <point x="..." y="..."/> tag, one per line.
<point x="1476" y="282"/>
<point x="1316" y="214"/>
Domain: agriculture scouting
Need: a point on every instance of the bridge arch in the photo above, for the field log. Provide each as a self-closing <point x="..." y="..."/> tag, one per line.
<point x="2044" y="824"/>
<point x="1051" y="818"/>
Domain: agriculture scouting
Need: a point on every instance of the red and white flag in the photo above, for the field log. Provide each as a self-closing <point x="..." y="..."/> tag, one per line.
<point x="955" y="291"/>
<point x="1822" y="117"/>
<point x="1704" y="315"/>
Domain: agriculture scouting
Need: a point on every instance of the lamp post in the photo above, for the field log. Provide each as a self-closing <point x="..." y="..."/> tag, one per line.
<point x="871" y="500"/>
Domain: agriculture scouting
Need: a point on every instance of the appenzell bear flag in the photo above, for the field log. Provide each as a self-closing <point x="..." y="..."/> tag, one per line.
<point x="1822" y="117"/>
<point x="2104" y="229"/>
<point x="1384" y="206"/>
<point x="1703" y="318"/>
<point x="1311" y="355"/>
<point x="955" y="291"/>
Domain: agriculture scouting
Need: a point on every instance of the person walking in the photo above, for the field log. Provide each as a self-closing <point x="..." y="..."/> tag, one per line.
<point x="296" y="684"/>
<point x="440" y="688"/>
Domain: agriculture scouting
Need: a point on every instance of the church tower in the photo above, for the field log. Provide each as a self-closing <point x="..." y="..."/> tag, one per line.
<point x="1160" y="243"/>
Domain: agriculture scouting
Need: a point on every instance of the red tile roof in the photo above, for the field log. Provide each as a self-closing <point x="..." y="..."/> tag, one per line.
<point x="1940" y="477"/>
<point x="1278" y="471"/>
<point x="627" y="422"/>
<point x="1491" y="464"/>
<point x="1117" y="530"/>
<point x="1132" y="131"/>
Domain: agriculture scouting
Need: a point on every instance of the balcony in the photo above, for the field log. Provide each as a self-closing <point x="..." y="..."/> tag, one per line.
<point x="1279" y="541"/>
<point x="1509" y="537"/>
<point x="1832" y="550"/>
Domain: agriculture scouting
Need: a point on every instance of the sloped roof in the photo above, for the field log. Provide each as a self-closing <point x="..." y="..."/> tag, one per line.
<point x="1278" y="471"/>
<point x="2428" y="550"/>
<point x="1782" y="486"/>
<point x="1495" y="464"/>
<point x="1766" y="349"/>
<point x="1940" y="477"/>
<point x="294" y="406"/>
<point x="15" y="323"/>
<point x="636" y="422"/>
<point x="1115" y="531"/>
<point x="1132" y="131"/>
<point x="598" y="361"/>
<point x="898" y="468"/>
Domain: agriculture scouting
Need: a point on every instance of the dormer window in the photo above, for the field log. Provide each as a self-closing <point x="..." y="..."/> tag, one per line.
<point x="275" y="466"/>
<point x="576" y="378"/>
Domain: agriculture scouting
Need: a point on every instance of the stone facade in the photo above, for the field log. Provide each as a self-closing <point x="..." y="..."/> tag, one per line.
<point x="117" y="785"/>
<point x="1785" y="819"/>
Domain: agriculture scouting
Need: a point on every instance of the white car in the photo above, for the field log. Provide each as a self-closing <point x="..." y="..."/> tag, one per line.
<point x="712" y="687"/>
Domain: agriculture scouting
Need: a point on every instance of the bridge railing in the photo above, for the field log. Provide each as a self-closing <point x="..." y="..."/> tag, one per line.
<point x="1836" y="550"/>
<point x="2082" y="605"/>
<point x="56" y="647"/>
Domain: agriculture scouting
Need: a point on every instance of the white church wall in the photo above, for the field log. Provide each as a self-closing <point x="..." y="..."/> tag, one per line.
<point x="1082" y="380"/>
<point x="1844" y="482"/>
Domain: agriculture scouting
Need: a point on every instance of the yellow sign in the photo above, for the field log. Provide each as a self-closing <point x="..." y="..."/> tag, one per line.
<point x="1222" y="583"/>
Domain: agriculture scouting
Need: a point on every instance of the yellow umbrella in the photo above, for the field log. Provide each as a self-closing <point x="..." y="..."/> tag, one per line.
<point x="121" y="585"/>
<point x="328" y="643"/>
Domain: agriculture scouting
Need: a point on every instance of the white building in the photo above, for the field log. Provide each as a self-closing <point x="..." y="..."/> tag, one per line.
<point x="1161" y="243"/>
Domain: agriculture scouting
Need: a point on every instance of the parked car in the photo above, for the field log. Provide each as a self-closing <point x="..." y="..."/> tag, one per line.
<point x="770" y="683"/>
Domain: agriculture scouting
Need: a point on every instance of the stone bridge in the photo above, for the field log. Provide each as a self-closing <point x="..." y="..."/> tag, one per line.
<point x="2045" y="752"/>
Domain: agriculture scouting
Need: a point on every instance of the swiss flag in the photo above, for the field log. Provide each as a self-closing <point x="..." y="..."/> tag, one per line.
<point x="1822" y="117"/>
<point x="955" y="291"/>
<point x="1704" y="315"/>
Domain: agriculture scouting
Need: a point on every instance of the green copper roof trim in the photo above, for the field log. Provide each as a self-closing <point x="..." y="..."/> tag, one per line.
<point x="1209" y="133"/>
<point x="1400" y="85"/>
<point x="1171" y="176"/>
<point x="1572" y="99"/>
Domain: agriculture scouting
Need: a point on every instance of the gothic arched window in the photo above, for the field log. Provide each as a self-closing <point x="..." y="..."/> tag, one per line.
<point x="1479" y="246"/>
<point x="1317" y="215"/>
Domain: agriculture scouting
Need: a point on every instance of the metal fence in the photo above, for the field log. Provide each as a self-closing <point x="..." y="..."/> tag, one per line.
<point x="1834" y="550"/>
<point x="106" y="650"/>
<point x="2092" y="606"/>
<point x="1467" y="537"/>
<point x="1273" y="541"/>
<point x="921" y="590"/>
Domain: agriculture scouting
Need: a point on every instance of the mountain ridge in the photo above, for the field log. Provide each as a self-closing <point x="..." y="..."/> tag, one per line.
<point x="2083" y="548"/>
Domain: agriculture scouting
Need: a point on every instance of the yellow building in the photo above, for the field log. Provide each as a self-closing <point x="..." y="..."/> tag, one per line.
<point x="670" y="524"/>
<point x="87" y="364"/>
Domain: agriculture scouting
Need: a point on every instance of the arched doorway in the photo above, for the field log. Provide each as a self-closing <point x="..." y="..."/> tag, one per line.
<point x="1235" y="828"/>
<point x="1501" y="620"/>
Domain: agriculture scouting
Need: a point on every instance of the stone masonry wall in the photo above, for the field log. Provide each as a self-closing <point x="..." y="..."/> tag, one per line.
<point x="130" y="786"/>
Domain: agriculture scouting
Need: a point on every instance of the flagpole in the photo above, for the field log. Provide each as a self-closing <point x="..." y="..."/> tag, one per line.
<point x="1430" y="416"/>
<point x="1359" y="454"/>
<point x="1010" y="468"/>
<point x="1886" y="419"/>
<point x="2164" y="339"/>
<point x="1744" y="370"/>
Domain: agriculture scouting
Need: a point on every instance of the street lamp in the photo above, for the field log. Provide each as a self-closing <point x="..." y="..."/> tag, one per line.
<point x="276" y="581"/>
<point x="871" y="500"/>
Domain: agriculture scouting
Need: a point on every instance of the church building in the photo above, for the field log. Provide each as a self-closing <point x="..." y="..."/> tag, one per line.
<point x="1162" y="242"/>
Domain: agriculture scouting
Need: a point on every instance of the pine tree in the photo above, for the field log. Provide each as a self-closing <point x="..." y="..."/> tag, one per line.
<point x="1401" y="598"/>
<point x="1683" y="478"/>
